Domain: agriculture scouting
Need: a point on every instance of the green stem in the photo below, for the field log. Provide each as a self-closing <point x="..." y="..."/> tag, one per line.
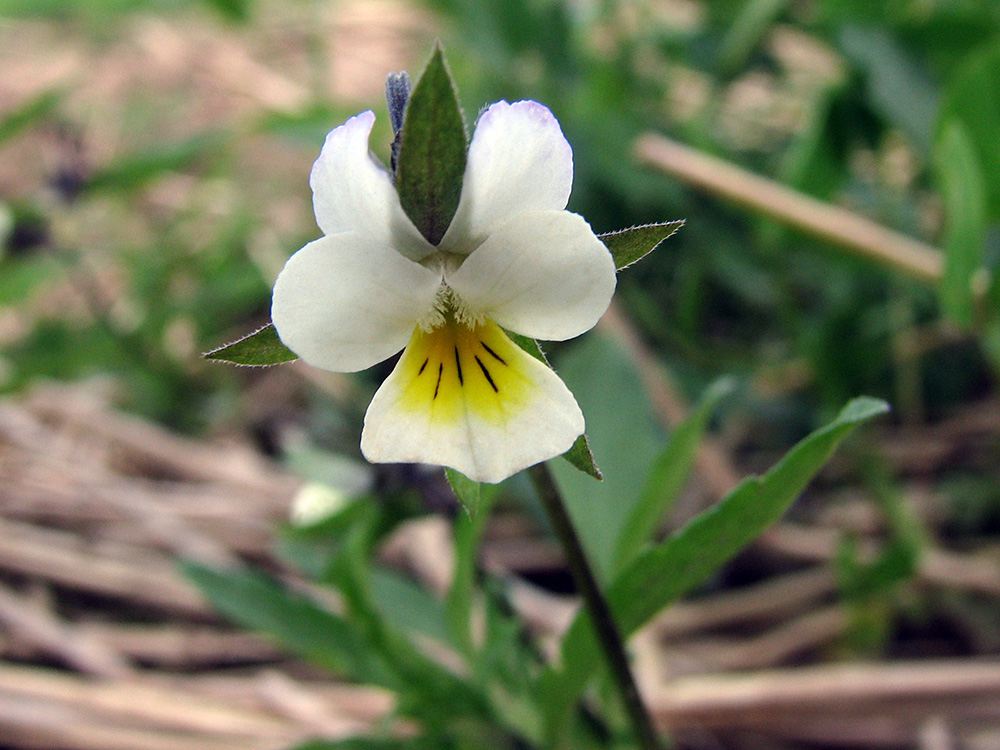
<point x="600" y="613"/>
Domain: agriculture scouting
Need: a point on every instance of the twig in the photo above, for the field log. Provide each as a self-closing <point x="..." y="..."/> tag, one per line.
<point x="823" y="220"/>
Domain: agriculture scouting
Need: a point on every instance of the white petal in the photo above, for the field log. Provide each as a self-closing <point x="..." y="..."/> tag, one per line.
<point x="518" y="160"/>
<point x="347" y="301"/>
<point x="543" y="274"/>
<point x="471" y="399"/>
<point x="353" y="192"/>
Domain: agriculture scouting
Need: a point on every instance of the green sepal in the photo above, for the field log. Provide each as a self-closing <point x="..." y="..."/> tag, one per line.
<point x="432" y="151"/>
<point x="579" y="455"/>
<point x="582" y="458"/>
<point x="466" y="490"/>
<point x="632" y="244"/>
<point x="262" y="348"/>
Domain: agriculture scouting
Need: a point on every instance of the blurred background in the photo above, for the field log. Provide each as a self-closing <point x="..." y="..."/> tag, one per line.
<point x="838" y="165"/>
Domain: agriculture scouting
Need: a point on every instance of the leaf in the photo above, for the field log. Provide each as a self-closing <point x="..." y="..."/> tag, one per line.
<point x="260" y="603"/>
<point x="432" y="152"/>
<point x="262" y="348"/>
<point x="973" y="96"/>
<point x="234" y="10"/>
<point x="668" y="476"/>
<point x="134" y="170"/>
<point x="629" y="245"/>
<point x="622" y="431"/>
<point x="466" y="490"/>
<point x="31" y="111"/>
<point x="418" y="742"/>
<point x="753" y="22"/>
<point x="964" y="194"/>
<point x="899" y="87"/>
<point x="663" y="574"/>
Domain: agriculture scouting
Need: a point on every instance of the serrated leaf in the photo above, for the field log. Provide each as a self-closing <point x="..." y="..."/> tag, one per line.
<point x="432" y="152"/>
<point x="660" y="576"/>
<point x="632" y="244"/>
<point x="668" y="475"/>
<point x="964" y="194"/>
<point x="262" y="604"/>
<point x="262" y="348"/>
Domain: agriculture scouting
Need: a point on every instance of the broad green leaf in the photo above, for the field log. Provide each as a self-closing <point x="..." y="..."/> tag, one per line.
<point x="261" y="603"/>
<point x="33" y="110"/>
<point x="964" y="194"/>
<point x="668" y="476"/>
<point x="661" y="575"/>
<point x="432" y="152"/>
<point x="261" y="348"/>
<point x="629" y="245"/>
<point x="623" y="434"/>
<point x="973" y="97"/>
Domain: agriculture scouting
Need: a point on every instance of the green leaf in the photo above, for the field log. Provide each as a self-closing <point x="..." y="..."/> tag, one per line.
<point x="660" y="576"/>
<point x="234" y="10"/>
<point x="582" y="458"/>
<point x="668" y="476"/>
<point x="30" y="112"/>
<point x="973" y="96"/>
<point x="964" y="194"/>
<point x="432" y="152"/>
<point x="134" y="170"/>
<point x="622" y="432"/>
<point x="748" y="28"/>
<point x="262" y="348"/>
<point x="418" y="742"/>
<point x="899" y="87"/>
<point x="629" y="245"/>
<point x="260" y="603"/>
<point x="466" y="490"/>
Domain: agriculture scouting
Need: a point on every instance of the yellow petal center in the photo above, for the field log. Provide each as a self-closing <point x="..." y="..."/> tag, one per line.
<point x="461" y="369"/>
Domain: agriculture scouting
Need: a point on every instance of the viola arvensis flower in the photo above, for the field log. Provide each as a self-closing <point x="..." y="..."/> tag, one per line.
<point x="463" y="394"/>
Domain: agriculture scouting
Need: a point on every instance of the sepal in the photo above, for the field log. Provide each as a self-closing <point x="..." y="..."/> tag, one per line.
<point x="632" y="244"/>
<point x="262" y="348"/>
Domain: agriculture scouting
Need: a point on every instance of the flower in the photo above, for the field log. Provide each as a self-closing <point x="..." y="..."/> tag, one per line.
<point x="463" y="394"/>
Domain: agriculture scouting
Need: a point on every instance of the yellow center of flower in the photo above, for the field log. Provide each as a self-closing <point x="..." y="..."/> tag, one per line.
<point x="459" y="369"/>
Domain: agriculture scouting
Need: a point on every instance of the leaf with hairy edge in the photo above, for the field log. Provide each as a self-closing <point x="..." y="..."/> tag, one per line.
<point x="667" y="478"/>
<point x="629" y="245"/>
<point x="262" y="348"/>
<point x="663" y="574"/>
<point x="432" y="152"/>
<point x="579" y="455"/>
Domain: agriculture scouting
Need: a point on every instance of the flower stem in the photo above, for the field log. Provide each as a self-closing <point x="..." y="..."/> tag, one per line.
<point x="600" y="613"/>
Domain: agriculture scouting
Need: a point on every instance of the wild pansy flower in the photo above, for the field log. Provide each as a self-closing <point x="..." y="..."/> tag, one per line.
<point x="462" y="394"/>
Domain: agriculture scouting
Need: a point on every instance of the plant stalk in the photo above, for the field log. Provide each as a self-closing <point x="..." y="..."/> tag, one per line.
<point x="605" y="626"/>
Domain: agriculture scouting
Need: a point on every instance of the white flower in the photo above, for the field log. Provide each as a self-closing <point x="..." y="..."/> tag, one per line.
<point x="462" y="394"/>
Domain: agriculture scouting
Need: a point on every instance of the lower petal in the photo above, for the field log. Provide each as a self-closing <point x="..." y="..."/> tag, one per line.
<point x="469" y="398"/>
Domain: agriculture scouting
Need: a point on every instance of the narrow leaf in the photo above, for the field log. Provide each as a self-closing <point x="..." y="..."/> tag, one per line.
<point x="466" y="490"/>
<point x="261" y="348"/>
<point x="260" y="603"/>
<point x="964" y="194"/>
<point x="29" y="113"/>
<point x="668" y="476"/>
<point x="432" y="152"/>
<point x="666" y="572"/>
<point x="629" y="245"/>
